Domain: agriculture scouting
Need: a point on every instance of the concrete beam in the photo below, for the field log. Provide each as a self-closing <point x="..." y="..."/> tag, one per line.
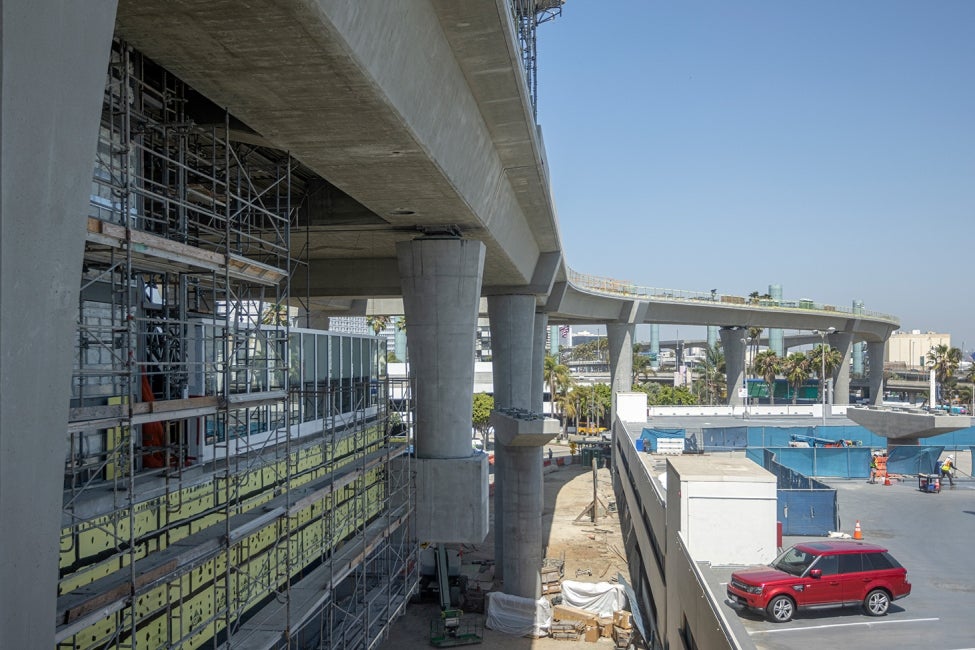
<point x="907" y="426"/>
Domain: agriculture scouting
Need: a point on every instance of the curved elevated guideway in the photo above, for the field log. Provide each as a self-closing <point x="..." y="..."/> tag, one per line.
<point x="416" y="173"/>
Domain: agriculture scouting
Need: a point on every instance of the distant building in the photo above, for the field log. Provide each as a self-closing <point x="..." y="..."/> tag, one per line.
<point x="909" y="350"/>
<point x="349" y="325"/>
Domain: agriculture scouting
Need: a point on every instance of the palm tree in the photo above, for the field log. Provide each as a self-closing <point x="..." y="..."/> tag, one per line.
<point x="945" y="361"/>
<point x="824" y="359"/>
<point x="276" y="314"/>
<point x="767" y="365"/>
<point x="567" y="404"/>
<point x="556" y="376"/>
<point x="378" y="323"/>
<point x="754" y="338"/>
<point x="641" y="365"/>
<point x="712" y="371"/>
<point x="796" y="370"/>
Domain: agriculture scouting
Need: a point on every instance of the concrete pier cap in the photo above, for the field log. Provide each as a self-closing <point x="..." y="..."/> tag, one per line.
<point x="907" y="426"/>
<point x="522" y="428"/>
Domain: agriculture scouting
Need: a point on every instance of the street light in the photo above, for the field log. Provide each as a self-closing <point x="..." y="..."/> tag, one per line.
<point x="822" y="365"/>
<point x="744" y="372"/>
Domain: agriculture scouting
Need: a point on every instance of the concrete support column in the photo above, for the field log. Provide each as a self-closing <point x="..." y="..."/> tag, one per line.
<point x="875" y="353"/>
<point x="776" y="340"/>
<point x="654" y="346"/>
<point x="522" y="435"/>
<point x="712" y="336"/>
<point x="538" y="365"/>
<point x="55" y="59"/>
<point x="734" y="360"/>
<point x="441" y="282"/>
<point x="842" y="341"/>
<point x="512" y="341"/>
<point x="619" y="337"/>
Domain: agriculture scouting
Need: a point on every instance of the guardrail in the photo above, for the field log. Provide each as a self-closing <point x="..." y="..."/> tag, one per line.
<point x="625" y="288"/>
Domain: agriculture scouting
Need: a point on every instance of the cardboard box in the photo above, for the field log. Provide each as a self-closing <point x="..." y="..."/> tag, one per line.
<point x="570" y="613"/>
<point x="592" y="634"/>
<point x="623" y="619"/>
<point x="622" y="637"/>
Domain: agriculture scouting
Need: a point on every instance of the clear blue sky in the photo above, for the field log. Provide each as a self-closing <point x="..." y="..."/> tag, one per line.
<point x="825" y="146"/>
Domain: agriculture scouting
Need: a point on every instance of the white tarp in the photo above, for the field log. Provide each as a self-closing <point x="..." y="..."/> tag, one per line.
<point x="516" y="615"/>
<point x="600" y="598"/>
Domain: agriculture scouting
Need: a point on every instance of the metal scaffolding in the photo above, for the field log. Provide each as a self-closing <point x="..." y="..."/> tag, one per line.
<point x="528" y="15"/>
<point x="209" y="473"/>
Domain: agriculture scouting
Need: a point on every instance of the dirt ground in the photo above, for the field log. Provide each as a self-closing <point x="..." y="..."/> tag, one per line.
<point x="591" y="552"/>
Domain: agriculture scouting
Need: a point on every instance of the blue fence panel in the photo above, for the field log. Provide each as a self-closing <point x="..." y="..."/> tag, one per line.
<point x="755" y="455"/>
<point x="808" y="512"/>
<point x="725" y="437"/>
<point x="842" y="462"/>
<point x="651" y="435"/>
<point x="914" y="460"/>
<point x="799" y="459"/>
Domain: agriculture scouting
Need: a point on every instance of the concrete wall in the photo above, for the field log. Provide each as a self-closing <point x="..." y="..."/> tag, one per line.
<point x="675" y="598"/>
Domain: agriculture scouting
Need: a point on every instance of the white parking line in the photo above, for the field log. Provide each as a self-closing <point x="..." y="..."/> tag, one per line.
<point x="823" y="627"/>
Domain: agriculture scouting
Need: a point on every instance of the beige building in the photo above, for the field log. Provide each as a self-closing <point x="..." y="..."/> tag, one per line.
<point x="910" y="349"/>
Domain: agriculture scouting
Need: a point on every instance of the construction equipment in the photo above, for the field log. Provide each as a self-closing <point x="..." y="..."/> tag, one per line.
<point x="451" y="629"/>
<point x="813" y="441"/>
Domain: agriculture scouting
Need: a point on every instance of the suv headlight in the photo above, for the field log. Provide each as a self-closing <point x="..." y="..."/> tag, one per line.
<point x="753" y="590"/>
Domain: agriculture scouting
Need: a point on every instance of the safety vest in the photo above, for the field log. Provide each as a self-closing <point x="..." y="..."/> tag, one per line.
<point x="946" y="467"/>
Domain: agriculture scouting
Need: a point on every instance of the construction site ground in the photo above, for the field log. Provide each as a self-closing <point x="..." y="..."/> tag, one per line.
<point x="592" y="552"/>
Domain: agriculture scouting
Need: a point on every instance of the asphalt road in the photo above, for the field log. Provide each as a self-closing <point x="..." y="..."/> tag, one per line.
<point x="933" y="535"/>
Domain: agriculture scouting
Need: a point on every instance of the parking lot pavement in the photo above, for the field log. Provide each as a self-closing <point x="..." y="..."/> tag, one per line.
<point x="932" y="534"/>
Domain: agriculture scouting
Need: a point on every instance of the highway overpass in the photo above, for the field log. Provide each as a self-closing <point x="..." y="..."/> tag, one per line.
<point x="404" y="138"/>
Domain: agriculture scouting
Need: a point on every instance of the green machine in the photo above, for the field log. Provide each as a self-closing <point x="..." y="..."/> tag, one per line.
<point x="451" y="628"/>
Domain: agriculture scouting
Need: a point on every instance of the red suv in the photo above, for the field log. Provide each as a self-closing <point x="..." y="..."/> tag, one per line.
<point x="827" y="573"/>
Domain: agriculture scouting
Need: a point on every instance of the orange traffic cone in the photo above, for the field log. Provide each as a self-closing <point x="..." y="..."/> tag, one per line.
<point x="886" y="479"/>
<point x="857" y="533"/>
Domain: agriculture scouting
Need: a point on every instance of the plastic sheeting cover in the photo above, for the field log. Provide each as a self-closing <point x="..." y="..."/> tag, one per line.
<point x="600" y="598"/>
<point x="516" y="615"/>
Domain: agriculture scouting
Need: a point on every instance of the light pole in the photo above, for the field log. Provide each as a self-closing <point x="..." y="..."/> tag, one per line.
<point x="822" y="365"/>
<point x="744" y="372"/>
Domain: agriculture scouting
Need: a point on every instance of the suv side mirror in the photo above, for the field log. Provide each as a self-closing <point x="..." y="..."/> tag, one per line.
<point x="816" y="573"/>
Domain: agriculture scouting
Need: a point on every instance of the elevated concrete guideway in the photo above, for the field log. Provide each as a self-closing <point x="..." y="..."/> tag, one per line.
<point x="417" y="117"/>
<point x="423" y="180"/>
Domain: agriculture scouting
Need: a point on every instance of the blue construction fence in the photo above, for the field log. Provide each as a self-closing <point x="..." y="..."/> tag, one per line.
<point x="805" y="506"/>
<point x="650" y="435"/>
<point x="742" y="437"/>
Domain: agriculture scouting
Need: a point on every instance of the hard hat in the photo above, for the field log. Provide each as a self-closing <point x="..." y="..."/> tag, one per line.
<point x="951" y="458"/>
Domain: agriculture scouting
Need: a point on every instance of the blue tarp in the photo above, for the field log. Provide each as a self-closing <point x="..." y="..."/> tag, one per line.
<point x="651" y="435"/>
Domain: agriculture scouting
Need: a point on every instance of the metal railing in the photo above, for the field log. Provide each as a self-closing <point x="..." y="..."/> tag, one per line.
<point x="625" y="288"/>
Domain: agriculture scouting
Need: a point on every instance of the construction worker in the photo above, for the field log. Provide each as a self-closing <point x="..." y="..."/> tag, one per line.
<point x="873" y="468"/>
<point x="948" y="469"/>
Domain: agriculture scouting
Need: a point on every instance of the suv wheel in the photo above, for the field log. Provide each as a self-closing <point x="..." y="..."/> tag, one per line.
<point x="876" y="603"/>
<point x="781" y="608"/>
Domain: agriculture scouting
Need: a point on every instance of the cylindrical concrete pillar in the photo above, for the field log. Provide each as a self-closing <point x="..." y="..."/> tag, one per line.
<point x="55" y="57"/>
<point x="875" y="355"/>
<point x="654" y="346"/>
<point x="733" y="344"/>
<point x="522" y="522"/>
<point x="842" y="341"/>
<point x="776" y="341"/>
<point x="441" y="281"/>
<point x="619" y="338"/>
<point x="712" y="336"/>
<point x="538" y="365"/>
<point x="512" y="340"/>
